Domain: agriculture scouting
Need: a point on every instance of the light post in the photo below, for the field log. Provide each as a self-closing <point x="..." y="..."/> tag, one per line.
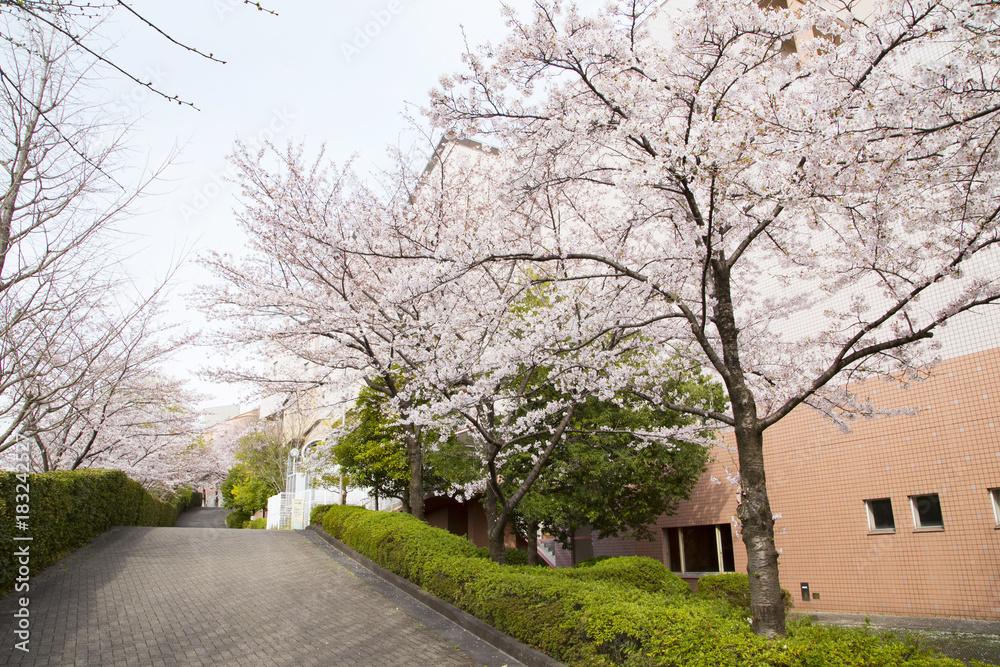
<point x="293" y="468"/>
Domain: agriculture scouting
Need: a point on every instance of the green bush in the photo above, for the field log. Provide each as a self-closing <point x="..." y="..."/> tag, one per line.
<point x="590" y="562"/>
<point x="258" y="524"/>
<point x="618" y="611"/>
<point x="640" y="572"/>
<point x="69" y="509"/>
<point x="316" y="514"/>
<point x="514" y="556"/>
<point x="237" y="519"/>
<point x="732" y="587"/>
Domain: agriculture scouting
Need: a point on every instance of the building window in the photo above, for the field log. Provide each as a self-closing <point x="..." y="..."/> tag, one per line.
<point x="699" y="549"/>
<point x="927" y="511"/>
<point x="995" y="496"/>
<point x="880" y="519"/>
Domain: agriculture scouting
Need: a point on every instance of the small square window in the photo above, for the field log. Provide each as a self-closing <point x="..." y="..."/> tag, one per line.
<point x="880" y="519"/>
<point x="927" y="511"/>
<point x="995" y="495"/>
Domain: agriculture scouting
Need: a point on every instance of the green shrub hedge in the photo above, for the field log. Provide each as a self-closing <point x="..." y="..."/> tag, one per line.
<point x="258" y="524"/>
<point x="184" y="499"/>
<point x="514" y="556"/>
<point x="732" y="587"/>
<point x="68" y="510"/>
<point x="317" y="513"/>
<point x="621" y="611"/>
<point x="237" y="519"/>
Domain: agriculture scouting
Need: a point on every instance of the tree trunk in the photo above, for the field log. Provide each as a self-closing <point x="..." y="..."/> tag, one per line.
<point x="375" y="496"/>
<point x="532" y="539"/>
<point x="404" y="498"/>
<point x="767" y="610"/>
<point x="343" y="489"/>
<point x="496" y="521"/>
<point x="767" y="607"/>
<point x="415" y="454"/>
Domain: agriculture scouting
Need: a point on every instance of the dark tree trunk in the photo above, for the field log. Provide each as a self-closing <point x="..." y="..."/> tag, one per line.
<point x="532" y="539"/>
<point x="415" y="454"/>
<point x="405" y="500"/>
<point x="496" y="521"/>
<point x="767" y="610"/>
<point x="375" y="496"/>
<point x="343" y="490"/>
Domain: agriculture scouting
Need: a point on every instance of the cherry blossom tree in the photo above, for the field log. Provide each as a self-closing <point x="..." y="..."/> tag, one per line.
<point x="343" y="277"/>
<point x="80" y="345"/>
<point x="212" y="453"/>
<point x="792" y="217"/>
<point x="496" y="353"/>
<point x="312" y="313"/>
<point x="115" y="409"/>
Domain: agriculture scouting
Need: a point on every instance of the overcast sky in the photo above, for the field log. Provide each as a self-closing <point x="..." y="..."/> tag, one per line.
<point x="333" y="72"/>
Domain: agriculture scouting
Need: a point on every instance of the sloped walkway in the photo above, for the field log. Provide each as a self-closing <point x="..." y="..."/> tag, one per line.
<point x="211" y="596"/>
<point x="202" y="517"/>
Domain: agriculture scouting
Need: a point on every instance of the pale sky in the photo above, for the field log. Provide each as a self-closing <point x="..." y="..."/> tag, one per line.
<point x="333" y="72"/>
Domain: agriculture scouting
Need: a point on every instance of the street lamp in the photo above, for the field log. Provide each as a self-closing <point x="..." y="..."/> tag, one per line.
<point x="294" y="453"/>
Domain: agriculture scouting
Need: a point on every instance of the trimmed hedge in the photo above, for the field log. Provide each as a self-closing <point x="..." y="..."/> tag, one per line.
<point x="184" y="499"/>
<point x="620" y="611"/>
<point x="317" y="513"/>
<point x="514" y="556"/>
<point x="237" y="519"/>
<point x="69" y="509"/>
<point x="258" y="524"/>
<point x="732" y="587"/>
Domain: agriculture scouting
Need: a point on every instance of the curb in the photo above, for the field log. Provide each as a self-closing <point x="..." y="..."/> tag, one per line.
<point x="918" y="623"/>
<point x="487" y="633"/>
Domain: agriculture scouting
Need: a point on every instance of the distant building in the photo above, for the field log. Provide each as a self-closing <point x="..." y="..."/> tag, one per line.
<point x="220" y="413"/>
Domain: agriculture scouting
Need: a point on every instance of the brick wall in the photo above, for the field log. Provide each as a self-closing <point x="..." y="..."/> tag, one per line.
<point x="819" y="479"/>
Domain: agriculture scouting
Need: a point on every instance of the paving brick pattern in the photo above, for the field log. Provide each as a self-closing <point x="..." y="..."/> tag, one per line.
<point x="202" y="517"/>
<point x="209" y="596"/>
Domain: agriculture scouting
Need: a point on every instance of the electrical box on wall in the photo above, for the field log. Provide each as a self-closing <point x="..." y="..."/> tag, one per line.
<point x="805" y="592"/>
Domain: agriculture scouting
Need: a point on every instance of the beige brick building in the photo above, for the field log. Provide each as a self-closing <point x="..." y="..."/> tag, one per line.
<point x="898" y="516"/>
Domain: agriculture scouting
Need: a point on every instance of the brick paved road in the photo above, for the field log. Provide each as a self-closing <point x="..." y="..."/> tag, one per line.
<point x="202" y="517"/>
<point x="209" y="596"/>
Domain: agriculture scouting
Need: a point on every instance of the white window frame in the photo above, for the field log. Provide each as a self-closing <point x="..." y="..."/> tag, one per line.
<point x="871" y="517"/>
<point x="916" y="515"/>
<point x="995" y="499"/>
<point x="680" y="543"/>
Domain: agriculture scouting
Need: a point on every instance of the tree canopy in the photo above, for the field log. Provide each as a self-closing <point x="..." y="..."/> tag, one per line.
<point x="796" y="198"/>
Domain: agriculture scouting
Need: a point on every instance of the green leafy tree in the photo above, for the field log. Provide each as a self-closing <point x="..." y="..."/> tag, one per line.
<point x="260" y="471"/>
<point x="373" y="455"/>
<point x="264" y="454"/>
<point x="610" y="477"/>
<point x="243" y="492"/>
